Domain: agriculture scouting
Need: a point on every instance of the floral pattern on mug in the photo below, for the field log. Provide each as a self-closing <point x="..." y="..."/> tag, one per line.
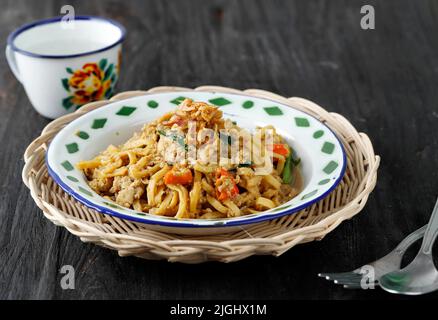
<point x="90" y="83"/>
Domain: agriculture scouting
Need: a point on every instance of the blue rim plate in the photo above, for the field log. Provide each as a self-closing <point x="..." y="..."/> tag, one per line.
<point x="323" y="155"/>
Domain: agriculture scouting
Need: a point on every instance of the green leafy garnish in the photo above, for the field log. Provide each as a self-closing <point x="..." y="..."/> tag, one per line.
<point x="245" y="165"/>
<point x="296" y="161"/>
<point x="289" y="166"/>
<point x="175" y="138"/>
<point x="180" y="141"/>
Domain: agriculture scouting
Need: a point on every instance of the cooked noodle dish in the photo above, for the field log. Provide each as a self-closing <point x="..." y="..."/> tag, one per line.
<point x="192" y="163"/>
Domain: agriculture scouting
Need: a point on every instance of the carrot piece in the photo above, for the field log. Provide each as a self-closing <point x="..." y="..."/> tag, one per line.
<point x="280" y="148"/>
<point x="227" y="193"/>
<point x="226" y="187"/>
<point x="222" y="172"/>
<point x="178" y="176"/>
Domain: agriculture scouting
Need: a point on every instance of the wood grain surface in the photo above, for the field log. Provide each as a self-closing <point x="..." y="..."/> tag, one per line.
<point x="385" y="81"/>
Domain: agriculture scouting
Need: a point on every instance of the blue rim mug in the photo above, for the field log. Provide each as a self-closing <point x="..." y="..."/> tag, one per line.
<point x="64" y="65"/>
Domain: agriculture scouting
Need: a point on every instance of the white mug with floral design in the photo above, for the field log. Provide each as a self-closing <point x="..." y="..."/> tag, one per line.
<point x="66" y="64"/>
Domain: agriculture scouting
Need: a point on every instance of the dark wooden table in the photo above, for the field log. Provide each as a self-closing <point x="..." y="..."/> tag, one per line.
<point x="385" y="81"/>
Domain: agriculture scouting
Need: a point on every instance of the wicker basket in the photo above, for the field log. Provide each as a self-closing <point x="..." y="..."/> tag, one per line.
<point x="271" y="237"/>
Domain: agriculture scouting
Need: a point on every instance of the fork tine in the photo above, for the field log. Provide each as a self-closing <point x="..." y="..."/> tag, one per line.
<point x="351" y="282"/>
<point x="359" y="286"/>
<point x="347" y="277"/>
<point x="350" y="278"/>
<point x="329" y="275"/>
<point x="342" y="275"/>
<point x="348" y="281"/>
<point x="351" y="286"/>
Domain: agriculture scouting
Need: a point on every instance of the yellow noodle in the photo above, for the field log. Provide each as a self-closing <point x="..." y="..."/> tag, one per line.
<point x="164" y="205"/>
<point x="264" y="203"/>
<point x="137" y="205"/>
<point x="272" y="181"/>
<point x="195" y="193"/>
<point x="216" y="204"/>
<point x="117" y="172"/>
<point x="174" y="201"/>
<point x="212" y="215"/>
<point x="91" y="164"/>
<point x="207" y="187"/>
<point x="183" y="199"/>
<point x="235" y="211"/>
<point x="204" y="168"/>
<point x="151" y="188"/>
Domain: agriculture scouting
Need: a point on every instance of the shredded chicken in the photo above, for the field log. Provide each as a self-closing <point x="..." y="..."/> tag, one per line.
<point x="126" y="190"/>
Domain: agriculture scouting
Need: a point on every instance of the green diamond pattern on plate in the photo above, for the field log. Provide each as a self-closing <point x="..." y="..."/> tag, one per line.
<point x="302" y="122"/>
<point x="178" y="100"/>
<point x="83" y="135"/>
<point x="318" y="134"/>
<point x="273" y="111"/>
<point x="98" y="123"/>
<point x="248" y="104"/>
<point x="72" y="179"/>
<point x="67" y="165"/>
<point x="152" y="104"/>
<point x="310" y="194"/>
<point x="330" y="167"/>
<point x="85" y="191"/>
<point x="72" y="147"/>
<point x="219" y="101"/>
<point x="280" y="208"/>
<point x="323" y="182"/>
<point x="126" y="111"/>
<point x="328" y="147"/>
<point x="112" y="205"/>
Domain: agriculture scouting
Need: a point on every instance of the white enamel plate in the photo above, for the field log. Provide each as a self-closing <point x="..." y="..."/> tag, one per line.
<point x="322" y="155"/>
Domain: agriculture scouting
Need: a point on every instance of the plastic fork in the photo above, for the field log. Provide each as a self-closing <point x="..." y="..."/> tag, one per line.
<point x="421" y="275"/>
<point x="390" y="262"/>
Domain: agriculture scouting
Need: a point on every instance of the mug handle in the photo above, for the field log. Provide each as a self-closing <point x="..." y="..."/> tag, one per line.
<point x="10" y="57"/>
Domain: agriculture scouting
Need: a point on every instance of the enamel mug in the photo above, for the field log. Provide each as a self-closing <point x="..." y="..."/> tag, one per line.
<point x="66" y="64"/>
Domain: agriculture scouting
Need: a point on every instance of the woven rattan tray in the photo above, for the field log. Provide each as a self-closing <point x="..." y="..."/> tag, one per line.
<point x="265" y="238"/>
